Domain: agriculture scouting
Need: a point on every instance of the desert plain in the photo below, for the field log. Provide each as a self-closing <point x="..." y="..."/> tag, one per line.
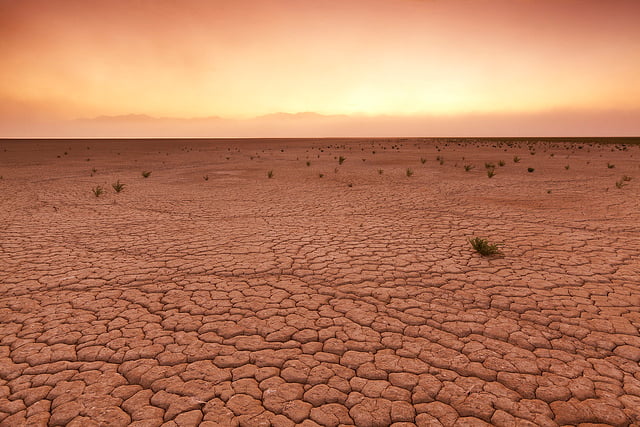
<point x="270" y="283"/>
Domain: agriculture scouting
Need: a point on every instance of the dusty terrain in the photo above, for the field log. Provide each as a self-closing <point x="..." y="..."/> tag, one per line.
<point x="351" y="298"/>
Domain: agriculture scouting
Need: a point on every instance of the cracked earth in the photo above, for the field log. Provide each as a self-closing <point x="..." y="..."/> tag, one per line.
<point x="211" y="294"/>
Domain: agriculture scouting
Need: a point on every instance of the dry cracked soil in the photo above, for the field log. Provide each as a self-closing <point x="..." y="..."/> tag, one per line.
<point x="329" y="294"/>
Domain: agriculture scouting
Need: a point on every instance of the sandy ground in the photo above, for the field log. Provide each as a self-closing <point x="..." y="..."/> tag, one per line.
<point x="351" y="298"/>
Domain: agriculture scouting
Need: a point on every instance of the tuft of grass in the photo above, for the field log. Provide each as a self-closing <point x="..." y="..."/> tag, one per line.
<point x="610" y="166"/>
<point x="206" y="177"/>
<point x="501" y="163"/>
<point x="620" y="184"/>
<point x="467" y="168"/>
<point x="626" y="178"/>
<point x="270" y="174"/>
<point x="380" y="171"/>
<point x="483" y="247"/>
<point x="146" y="174"/>
<point x="321" y="175"/>
<point x="118" y="186"/>
<point x="97" y="191"/>
<point x="516" y="159"/>
<point x="489" y="165"/>
<point x="530" y="170"/>
<point x="423" y="160"/>
<point x="409" y="172"/>
<point x="491" y="173"/>
<point x="341" y="160"/>
<point x="566" y="167"/>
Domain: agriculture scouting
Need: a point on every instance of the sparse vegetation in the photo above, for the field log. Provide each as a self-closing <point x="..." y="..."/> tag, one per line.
<point x="516" y="159"/>
<point x="566" y="167"/>
<point x="491" y="172"/>
<point x="489" y="165"/>
<point x="483" y="247"/>
<point x="423" y="160"/>
<point x="409" y="172"/>
<point x="308" y="163"/>
<point x="97" y="191"/>
<point x="270" y="174"/>
<point x="380" y="171"/>
<point x="321" y="175"/>
<point x="146" y="174"/>
<point x="467" y="168"/>
<point x="118" y="186"/>
<point x="501" y="163"/>
<point x="341" y="160"/>
<point x="530" y="170"/>
<point x="206" y="177"/>
<point x="610" y="166"/>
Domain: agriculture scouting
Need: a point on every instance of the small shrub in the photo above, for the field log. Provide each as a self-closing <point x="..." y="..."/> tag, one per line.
<point x="270" y="174"/>
<point x="467" y="168"/>
<point x="491" y="173"/>
<point x="489" y="165"/>
<point x="530" y="170"/>
<point x="610" y="166"/>
<point x="626" y="178"/>
<point x="97" y="191"/>
<point x="516" y="159"/>
<point x="349" y="185"/>
<point x="380" y="171"/>
<point x="423" y="160"/>
<point x="118" y="186"/>
<point x="321" y="175"/>
<point x="308" y="163"/>
<point x="501" y="163"/>
<point x="483" y="247"/>
<point x="341" y="160"/>
<point x="409" y="172"/>
<point x="206" y="177"/>
<point x="620" y="184"/>
<point x="566" y="167"/>
<point x="146" y="174"/>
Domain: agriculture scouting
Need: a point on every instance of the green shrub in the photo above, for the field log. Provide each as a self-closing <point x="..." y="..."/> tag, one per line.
<point x="483" y="247"/>
<point x="118" y="186"/>
<point x="97" y="191"/>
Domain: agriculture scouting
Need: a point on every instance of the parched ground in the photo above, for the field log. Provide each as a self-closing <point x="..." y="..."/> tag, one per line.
<point x="351" y="298"/>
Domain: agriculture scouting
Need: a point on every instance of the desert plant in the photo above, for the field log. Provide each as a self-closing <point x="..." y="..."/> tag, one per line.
<point x="270" y="174"/>
<point x="341" y="160"/>
<point x="423" y="160"/>
<point x="321" y="175"/>
<point x="566" y="167"/>
<point x="516" y="159"/>
<point x="308" y="163"/>
<point x="501" y="163"/>
<point x="380" y="171"/>
<point x="409" y="172"/>
<point x="491" y="173"/>
<point x="118" y="186"/>
<point x="97" y="191"/>
<point x="206" y="177"/>
<point x="349" y="185"/>
<point x="146" y="174"/>
<point x="620" y="184"/>
<point x="530" y="170"/>
<point x="626" y="178"/>
<point x="610" y="166"/>
<point x="467" y="168"/>
<point x="489" y="165"/>
<point x="483" y="247"/>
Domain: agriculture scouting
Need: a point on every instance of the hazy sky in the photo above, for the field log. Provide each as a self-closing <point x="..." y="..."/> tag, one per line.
<point x="430" y="61"/>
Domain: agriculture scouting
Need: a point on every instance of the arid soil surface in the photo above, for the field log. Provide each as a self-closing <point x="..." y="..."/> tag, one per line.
<point x="353" y="298"/>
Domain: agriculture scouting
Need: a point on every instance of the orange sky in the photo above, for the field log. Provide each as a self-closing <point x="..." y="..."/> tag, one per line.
<point x="438" y="60"/>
